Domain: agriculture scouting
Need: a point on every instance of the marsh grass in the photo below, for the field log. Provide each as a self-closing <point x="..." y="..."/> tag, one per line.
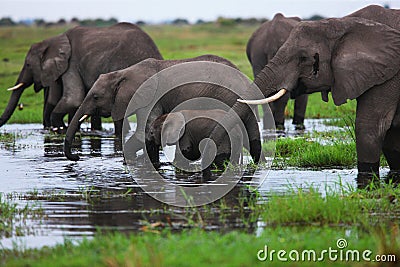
<point x="13" y="217"/>
<point x="7" y="137"/>
<point x="332" y="206"/>
<point x="304" y="152"/>
<point x="304" y="218"/>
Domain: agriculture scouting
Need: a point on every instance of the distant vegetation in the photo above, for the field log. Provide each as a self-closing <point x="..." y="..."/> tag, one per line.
<point x="223" y="21"/>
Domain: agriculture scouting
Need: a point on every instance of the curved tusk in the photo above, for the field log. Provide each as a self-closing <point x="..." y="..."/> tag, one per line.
<point x="265" y="100"/>
<point x="84" y="117"/>
<point x="15" y="87"/>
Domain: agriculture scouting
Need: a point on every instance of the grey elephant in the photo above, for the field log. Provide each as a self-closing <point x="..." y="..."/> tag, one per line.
<point x="261" y="48"/>
<point x="67" y="66"/>
<point x="187" y="128"/>
<point x="112" y="93"/>
<point x="353" y="58"/>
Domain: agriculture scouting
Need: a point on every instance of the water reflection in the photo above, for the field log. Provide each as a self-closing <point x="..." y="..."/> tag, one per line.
<point x="99" y="191"/>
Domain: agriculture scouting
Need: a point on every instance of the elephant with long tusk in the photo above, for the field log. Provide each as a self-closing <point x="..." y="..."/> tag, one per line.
<point x="67" y="66"/>
<point x="355" y="57"/>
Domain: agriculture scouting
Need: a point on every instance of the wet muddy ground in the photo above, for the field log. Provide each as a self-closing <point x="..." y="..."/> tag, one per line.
<point x="99" y="193"/>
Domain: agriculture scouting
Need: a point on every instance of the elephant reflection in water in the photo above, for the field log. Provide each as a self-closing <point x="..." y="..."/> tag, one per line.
<point x="93" y="145"/>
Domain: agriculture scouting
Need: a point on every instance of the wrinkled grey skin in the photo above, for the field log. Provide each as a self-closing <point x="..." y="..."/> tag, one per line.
<point x="261" y="48"/>
<point x="112" y="92"/>
<point x="354" y="58"/>
<point x="187" y="128"/>
<point x="68" y="65"/>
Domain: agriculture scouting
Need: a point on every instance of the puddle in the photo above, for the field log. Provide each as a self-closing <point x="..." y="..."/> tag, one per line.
<point x="98" y="192"/>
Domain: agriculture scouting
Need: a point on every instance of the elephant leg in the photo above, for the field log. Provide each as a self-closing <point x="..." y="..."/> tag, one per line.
<point x="118" y="128"/>
<point x="374" y="117"/>
<point x="253" y="134"/>
<point x="300" y="106"/>
<point x="138" y="140"/>
<point x="72" y="96"/>
<point x="278" y="111"/>
<point x="95" y="122"/>
<point x="153" y="151"/>
<point x="57" y="121"/>
<point x="48" y="109"/>
<point x="391" y="150"/>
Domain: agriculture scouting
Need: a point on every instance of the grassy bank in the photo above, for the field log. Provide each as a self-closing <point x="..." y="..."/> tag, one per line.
<point x="318" y="150"/>
<point x="173" y="41"/>
<point x="303" y="219"/>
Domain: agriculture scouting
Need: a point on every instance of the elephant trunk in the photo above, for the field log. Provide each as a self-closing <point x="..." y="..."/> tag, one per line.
<point x="25" y="79"/>
<point x="219" y="132"/>
<point x="266" y="81"/>
<point x="73" y="127"/>
<point x="13" y="102"/>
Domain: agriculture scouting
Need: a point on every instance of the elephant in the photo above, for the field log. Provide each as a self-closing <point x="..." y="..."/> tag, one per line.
<point x="261" y="48"/>
<point x="353" y="58"/>
<point x="67" y="66"/>
<point x="187" y="128"/>
<point x="112" y="93"/>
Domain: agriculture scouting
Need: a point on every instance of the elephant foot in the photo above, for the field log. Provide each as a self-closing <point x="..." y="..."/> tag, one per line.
<point x="255" y="150"/>
<point x="298" y="120"/>
<point x="131" y="147"/>
<point x="367" y="180"/>
<point x="57" y="120"/>
<point x="368" y="175"/>
<point x="59" y="130"/>
<point x="221" y="160"/>
<point x="299" y="127"/>
<point x="393" y="177"/>
<point x="206" y="174"/>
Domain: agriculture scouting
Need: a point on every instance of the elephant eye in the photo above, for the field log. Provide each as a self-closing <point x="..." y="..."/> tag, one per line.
<point x="95" y="97"/>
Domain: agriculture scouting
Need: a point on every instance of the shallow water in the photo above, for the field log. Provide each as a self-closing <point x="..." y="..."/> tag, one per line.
<point x="35" y="170"/>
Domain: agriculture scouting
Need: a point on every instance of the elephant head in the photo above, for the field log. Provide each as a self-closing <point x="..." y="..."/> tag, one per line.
<point x="44" y="64"/>
<point x="353" y="58"/>
<point x="346" y="56"/>
<point x="170" y="126"/>
<point x="109" y="96"/>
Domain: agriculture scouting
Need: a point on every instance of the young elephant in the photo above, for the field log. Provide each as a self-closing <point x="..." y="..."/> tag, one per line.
<point x="187" y="129"/>
<point x="112" y="93"/>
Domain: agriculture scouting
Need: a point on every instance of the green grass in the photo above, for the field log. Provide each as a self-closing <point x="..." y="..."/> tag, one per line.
<point x="174" y="42"/>
<point x="333" y="206"/>
<point x="199" y="248"/>
<point x="303" y="219"/>
<point x="13" y="218"/>
<point x="317" y="150"/>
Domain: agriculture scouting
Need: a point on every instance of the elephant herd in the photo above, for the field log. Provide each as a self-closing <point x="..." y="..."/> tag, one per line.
<point x="96" y="71"/>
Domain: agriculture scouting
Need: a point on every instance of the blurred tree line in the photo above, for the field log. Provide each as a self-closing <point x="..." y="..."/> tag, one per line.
<point x="99" y="22"/>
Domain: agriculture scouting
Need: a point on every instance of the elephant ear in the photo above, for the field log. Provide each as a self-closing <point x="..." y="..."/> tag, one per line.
<point x="173" y="128"/>
<point x="55" y="59"/>
<point x="368" y="54"/>
<point x="131" y="79"/>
